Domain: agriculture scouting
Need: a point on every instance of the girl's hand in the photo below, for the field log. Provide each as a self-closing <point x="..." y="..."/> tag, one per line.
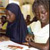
<point x="28" y="37"/>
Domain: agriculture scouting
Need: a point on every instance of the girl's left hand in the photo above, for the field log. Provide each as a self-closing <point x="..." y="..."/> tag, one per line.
<point x="28" y="37"/>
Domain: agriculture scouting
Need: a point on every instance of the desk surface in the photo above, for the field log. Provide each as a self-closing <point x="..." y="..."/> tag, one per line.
<point x="5" y="41"/>
<point x="4" y="46"/>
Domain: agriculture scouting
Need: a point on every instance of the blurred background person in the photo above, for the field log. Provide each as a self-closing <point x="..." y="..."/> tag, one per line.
<point x="4" y="22"/>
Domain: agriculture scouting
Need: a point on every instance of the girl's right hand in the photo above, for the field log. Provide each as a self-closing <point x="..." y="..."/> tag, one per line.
<point x="28" y="37"/>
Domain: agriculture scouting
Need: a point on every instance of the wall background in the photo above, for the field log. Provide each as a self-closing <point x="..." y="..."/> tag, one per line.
<point x="26" y="9"/>
<point x="5" y="2"/>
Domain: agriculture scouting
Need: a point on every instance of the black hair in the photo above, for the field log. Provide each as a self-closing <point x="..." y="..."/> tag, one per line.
<point x="36" y="3"/>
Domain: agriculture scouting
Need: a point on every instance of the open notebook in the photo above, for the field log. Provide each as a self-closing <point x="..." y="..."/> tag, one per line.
<point x="4" y="46"/>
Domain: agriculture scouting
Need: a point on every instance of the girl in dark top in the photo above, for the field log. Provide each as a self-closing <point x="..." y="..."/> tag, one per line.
<point x="16" y="29"/>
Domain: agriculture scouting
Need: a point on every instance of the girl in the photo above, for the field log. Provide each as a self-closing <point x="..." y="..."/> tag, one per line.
<point x="16" y="29"/>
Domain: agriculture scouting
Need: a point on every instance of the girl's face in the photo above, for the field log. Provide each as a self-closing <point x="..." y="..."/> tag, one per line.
<point x="42" y="14"/>
<point x="10" y="16"/>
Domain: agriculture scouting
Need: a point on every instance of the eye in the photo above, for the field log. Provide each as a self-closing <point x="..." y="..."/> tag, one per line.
<point x="43" y="12"/>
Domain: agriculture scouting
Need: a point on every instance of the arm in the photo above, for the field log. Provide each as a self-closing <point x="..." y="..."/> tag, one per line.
<point x="40" y="46"/>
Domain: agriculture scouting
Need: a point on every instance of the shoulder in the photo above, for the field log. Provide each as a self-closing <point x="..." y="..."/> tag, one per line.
<point x="37" y="23"/>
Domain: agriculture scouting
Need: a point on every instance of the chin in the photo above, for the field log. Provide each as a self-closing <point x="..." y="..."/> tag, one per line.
<point x="10" y="21"/>
<point x="44" y="22"/>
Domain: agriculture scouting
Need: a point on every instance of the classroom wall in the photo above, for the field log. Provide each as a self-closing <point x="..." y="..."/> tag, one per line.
<point x="27" y="9"/>
<point x="5" y="2"/>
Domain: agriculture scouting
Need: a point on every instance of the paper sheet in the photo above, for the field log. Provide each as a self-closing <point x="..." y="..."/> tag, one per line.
<point x="4" y="44"/>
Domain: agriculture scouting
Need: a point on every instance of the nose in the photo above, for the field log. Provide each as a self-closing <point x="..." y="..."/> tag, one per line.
<point x="41" y="16"/>
<point x="7" y="17"/>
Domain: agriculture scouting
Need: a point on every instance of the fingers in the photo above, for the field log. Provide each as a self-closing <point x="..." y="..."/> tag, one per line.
<point x="28" y="37"/>
<point x="26" y="43"/>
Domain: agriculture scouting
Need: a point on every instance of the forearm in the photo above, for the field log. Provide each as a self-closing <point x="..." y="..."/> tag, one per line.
<point x="40" y="46"/>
